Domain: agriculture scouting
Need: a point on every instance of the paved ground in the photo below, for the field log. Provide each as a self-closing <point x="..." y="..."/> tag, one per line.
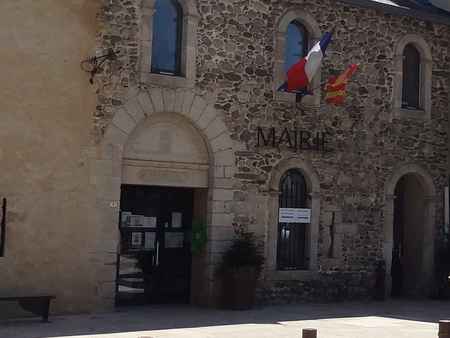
<point x="406" y="319"/>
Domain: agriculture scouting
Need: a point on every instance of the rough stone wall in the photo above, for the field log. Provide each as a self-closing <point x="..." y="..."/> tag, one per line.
<point x="46" y="107"/>
<point x="119" y="31"/>
<point x="235" y="68"/>
<point x="236" y="59"/>
<point x="331" y="286"/>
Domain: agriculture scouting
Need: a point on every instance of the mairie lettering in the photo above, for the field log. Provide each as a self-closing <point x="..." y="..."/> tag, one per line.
<point x="294" y="139"/>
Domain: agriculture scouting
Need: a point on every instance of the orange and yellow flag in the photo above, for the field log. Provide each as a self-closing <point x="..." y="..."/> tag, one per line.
<point x="335" y="88"/>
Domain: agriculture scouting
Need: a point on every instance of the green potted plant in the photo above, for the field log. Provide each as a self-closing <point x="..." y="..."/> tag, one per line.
<point x="240" y="269"/>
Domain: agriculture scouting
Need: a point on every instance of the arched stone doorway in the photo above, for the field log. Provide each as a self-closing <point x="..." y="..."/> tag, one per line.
<point x="164" y="138"/>
<point x="165" y="181"/>
<point x="409" y="232"/>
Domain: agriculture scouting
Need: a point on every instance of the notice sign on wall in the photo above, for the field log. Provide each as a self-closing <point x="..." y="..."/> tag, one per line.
<point x="294" y="215"/>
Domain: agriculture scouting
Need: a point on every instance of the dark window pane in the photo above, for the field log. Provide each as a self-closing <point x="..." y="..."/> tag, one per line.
<point x="296" y="44"/>
<point x="166" y="45"/>
<point x="411" y="77"/>
<point x="292" y="236"/>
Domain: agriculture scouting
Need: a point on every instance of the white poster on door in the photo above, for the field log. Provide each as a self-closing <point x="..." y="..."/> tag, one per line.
<point x="177" y="219"/>
<point x="174" y="240"/>
<point x="294" y="215"/>
<point x="150" y="222"/>
<point x="126" y="218"/>
<point x="135" y="220"/>
<point x="149" y="240"/>
<point x="136" y="239"/>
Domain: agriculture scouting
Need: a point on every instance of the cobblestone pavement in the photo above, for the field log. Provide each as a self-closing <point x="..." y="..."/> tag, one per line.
<point x="397" y="319"/>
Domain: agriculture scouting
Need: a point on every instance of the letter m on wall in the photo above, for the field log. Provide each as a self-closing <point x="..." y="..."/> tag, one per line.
<point x="267" y="139"/>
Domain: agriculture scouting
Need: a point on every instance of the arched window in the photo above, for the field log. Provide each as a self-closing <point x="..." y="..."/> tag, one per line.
<point x="292" y="244"/>
<point x="296" y="31"/>
<point x="167" y="35"/>
<point x="413" y="72"/>
<point x="296" y="44"/>
<point x="411" y="78"/>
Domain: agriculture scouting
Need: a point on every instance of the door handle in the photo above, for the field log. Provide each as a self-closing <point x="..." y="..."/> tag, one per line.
<point x="157" y="253"/>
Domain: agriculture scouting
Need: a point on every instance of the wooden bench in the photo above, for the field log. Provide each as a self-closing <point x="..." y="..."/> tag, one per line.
<point x="38" y="305"/>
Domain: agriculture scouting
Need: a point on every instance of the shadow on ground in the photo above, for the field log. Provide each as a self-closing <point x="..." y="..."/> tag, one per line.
<point x="172" y="317"/>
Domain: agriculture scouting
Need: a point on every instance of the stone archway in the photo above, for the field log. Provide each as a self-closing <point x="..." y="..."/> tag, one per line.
<point x="409" y="178"/>
<point x="184" y="106"/>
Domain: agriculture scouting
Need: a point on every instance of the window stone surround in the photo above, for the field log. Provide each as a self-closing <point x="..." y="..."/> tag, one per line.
<point x="188" y="46"/>
<point x="313" y="185"/>
<point x="426" y="61"/>
<point x="314" y="35"/>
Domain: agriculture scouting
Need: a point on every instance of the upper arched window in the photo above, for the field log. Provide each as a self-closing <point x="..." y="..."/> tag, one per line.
<point x="292" y="237"/>
<point x="296" y="32"/>
<point x="167" y="35"/>
<point x="296" y="44"/>
<point x="411" y="78"/>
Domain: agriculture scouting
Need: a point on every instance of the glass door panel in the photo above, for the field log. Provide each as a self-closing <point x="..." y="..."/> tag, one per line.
<point x="154" y="261"/>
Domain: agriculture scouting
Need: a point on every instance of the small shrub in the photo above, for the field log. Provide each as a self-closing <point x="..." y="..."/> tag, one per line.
<point x="245" y="251"/>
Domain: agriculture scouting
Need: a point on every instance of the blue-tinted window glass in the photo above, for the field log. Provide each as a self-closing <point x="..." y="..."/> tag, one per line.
<point x="296" y="44"/>
<point x="166" y="43"/>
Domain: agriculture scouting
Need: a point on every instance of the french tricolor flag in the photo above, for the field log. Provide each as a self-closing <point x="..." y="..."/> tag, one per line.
<point x="300" y="75"/>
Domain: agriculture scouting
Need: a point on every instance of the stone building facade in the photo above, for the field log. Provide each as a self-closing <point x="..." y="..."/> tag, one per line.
<point x="210" y="130"/>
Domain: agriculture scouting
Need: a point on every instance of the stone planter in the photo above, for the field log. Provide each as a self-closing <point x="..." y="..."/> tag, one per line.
<point x="239" y="288"/>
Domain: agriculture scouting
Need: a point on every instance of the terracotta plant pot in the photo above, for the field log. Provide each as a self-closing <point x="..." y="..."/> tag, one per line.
<point x="238" y="288"/>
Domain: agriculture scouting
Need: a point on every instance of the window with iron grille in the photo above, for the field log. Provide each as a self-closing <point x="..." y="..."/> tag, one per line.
<point x="291" y="249"/>
<point x="167" y="35"/>
<point x="411" y="78"/>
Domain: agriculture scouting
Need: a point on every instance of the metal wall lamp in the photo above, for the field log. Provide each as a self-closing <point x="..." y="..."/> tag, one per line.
<point x="93" y="65"/>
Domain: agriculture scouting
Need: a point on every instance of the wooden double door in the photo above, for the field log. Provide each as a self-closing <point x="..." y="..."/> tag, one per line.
<point x="154" y="260"/>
